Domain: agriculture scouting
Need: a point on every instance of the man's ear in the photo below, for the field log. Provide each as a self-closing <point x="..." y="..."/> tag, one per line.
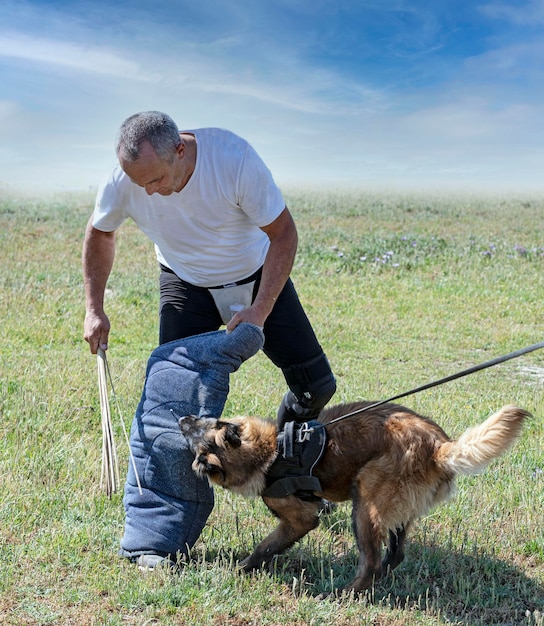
<point x="231" y="433"/>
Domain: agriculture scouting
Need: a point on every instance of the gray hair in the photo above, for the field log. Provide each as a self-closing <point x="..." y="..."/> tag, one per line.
<point x="154" y="127"/>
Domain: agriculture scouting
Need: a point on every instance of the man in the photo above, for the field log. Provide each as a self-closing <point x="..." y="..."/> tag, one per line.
<point x="224" y="239"/>
<point x="225" y="242"/>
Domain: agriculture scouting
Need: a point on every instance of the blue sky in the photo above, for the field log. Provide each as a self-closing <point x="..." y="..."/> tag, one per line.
<point x="371" y="93"/>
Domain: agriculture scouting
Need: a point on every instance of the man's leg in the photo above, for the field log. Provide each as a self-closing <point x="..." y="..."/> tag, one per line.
<point x="291" y="344"/>
<point x="290" y="341"/>
<point x="184" y="310"/>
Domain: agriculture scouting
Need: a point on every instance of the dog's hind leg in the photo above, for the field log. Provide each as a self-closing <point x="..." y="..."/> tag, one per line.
<point x="394" y="555"/>
<point x="296" y="517"/>
<point x="370" y="539"/>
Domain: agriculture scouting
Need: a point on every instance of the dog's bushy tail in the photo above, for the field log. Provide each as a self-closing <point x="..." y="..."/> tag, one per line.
<point x="479" y="445"/>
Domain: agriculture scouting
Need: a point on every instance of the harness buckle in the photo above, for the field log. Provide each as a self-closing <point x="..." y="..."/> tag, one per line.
<point x="304" y="432"/>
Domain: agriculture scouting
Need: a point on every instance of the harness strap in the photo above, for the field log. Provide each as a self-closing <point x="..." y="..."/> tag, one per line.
<point x="290" y="485"/>
<point x="287" y="442"/>
<point x="299" y="447"/>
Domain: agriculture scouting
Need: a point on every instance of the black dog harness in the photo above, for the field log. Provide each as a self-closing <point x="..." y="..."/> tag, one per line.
<point x="299" y="446"/>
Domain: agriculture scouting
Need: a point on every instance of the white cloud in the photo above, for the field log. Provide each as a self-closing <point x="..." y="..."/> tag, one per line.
<point x="528" y="14"/>
<point x="312" y="114"/>
<point x="69" y="55"/>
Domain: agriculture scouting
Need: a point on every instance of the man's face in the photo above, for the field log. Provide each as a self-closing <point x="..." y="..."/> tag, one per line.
<point x="154" y="174"/>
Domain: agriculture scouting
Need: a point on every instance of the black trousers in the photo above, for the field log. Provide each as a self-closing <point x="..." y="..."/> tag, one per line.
<point x="187" y="310"/>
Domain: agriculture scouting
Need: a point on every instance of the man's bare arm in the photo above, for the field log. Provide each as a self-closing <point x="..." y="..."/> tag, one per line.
<point x="97" y="259"/>
<point x="277" y="266"/>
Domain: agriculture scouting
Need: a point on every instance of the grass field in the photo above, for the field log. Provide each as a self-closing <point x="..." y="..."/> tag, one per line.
<point x="402" y="289"/>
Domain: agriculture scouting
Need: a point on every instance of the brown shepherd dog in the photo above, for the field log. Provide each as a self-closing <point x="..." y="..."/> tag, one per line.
<point x="391" y="462"/>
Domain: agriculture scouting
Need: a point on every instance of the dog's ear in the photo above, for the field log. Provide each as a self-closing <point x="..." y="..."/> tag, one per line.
<point x="230" y="433"/>
<point x="187" y="421"/>
<point x="194" y="427"/>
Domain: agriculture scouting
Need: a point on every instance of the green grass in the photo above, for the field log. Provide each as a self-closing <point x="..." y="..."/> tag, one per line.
<point x="402" y="289"/>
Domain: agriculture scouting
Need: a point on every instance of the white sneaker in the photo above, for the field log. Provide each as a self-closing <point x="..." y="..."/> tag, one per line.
<point x="149" y="562"/>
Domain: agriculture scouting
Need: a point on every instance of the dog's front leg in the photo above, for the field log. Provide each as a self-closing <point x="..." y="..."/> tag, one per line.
<point x="296" y="517"/>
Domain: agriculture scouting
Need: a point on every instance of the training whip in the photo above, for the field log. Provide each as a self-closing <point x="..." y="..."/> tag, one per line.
<point x="470" y="370"/>
<point x="110" y="467"/>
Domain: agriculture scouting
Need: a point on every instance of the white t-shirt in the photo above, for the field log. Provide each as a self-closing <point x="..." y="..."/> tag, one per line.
<point x="208" y="233"/>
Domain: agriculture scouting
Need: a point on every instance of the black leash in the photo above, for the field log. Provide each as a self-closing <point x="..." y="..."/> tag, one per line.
<point x="470" y="370"/>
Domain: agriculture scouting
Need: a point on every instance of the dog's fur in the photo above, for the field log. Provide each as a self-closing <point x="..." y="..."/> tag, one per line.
<point x="391" y="462"/>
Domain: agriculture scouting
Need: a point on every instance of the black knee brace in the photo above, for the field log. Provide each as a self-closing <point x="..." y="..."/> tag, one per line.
<point x="311" y="386"/>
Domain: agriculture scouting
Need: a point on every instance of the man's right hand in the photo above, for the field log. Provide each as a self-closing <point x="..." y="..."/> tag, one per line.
<point x="96" y="330"/>
<point x="97" y="258"/>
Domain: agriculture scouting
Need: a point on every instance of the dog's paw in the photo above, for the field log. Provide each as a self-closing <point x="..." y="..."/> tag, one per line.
<point x="252" y="564"/>
<point x="246" y="565"/>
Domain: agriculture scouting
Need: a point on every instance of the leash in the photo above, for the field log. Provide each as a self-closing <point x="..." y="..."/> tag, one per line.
<point x="111" y="477"/>
<point x="470" y="370"/>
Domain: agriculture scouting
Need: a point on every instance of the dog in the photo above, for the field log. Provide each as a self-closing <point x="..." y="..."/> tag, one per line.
<point x="394" y="464"/>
